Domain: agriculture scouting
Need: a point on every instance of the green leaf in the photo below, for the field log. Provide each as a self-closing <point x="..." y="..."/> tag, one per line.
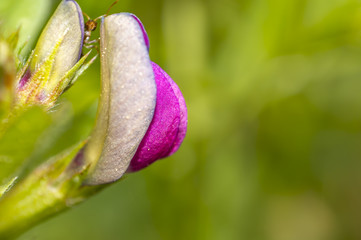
<point x="18" y="139"/>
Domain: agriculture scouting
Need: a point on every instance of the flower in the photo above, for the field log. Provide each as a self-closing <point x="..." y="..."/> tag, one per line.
<point x="54" y="64"/>
<point x="142" y="115"/>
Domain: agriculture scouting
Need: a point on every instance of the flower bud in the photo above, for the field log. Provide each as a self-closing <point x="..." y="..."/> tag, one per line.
<point x="169" y="124"/>
<point x="142" y="114"/>
<point x="54" y="62"/>
<point x="127" y="99"/>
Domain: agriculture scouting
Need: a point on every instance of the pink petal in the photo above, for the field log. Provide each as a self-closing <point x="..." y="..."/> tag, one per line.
<point x="168" y="127"/>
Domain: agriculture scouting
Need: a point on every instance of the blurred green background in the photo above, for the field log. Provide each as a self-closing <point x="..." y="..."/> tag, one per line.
<point x="273" y="149"/>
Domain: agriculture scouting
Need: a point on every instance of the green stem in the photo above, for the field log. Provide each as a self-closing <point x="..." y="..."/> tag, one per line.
<point x="49" y="189"/>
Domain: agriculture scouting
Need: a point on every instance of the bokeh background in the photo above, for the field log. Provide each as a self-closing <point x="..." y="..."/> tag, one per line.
<point x="273" y="149"/>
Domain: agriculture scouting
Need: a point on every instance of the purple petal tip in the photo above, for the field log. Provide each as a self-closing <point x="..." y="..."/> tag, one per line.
<point x="168" y="127"/>
<point x="24" y="80"/>
<point x="145" y="35"/>
<point x="81" y="22"/>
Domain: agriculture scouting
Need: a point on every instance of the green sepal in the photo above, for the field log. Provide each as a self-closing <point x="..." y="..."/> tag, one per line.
<point x="71" y="76"/>
<point x="82" y="69"/>
<point x="41" y="76"/>
<point x="41" y="81"/>
<point x="7" y="186"/>
<point x="23" y="67"/>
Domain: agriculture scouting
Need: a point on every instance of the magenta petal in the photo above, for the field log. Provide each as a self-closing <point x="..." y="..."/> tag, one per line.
<point x="24" y="80"/>
<point x="183" y="112"/>
<point x="168" y="127"/>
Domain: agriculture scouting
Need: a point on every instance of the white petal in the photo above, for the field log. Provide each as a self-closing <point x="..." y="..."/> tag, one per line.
<point x="127" y="99"/>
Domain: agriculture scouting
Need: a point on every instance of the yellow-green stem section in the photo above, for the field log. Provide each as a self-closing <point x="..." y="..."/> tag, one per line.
<point x="53" y="187"/>
<point x="27" y="205"/>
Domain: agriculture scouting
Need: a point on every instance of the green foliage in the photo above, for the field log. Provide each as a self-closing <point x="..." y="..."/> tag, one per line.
<point x="51" y="188"/>
<point x="26" y="15"/>
<point x="19" y="137"/>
